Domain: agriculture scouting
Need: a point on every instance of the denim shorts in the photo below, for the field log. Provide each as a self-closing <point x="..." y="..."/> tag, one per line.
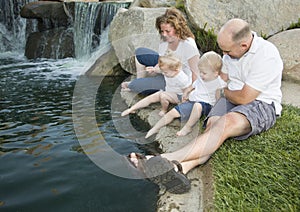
<point x="185" y="109"/>
<point x="146" y="57"/>
<point x="261" y="115"/>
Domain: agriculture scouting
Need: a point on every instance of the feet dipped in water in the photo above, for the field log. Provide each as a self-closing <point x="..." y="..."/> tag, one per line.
<point x="164" y="173"/>
<point x="184" y="131"/>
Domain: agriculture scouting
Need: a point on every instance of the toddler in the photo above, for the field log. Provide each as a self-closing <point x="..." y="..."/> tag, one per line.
<point x="201" y="96"/>
<point x="176" y="82"/>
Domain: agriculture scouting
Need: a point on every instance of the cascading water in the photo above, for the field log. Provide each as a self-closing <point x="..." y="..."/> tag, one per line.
<point x="12" y="26"/>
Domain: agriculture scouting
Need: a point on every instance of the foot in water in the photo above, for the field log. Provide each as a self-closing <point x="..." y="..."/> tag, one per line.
<point x="164" y="173"/>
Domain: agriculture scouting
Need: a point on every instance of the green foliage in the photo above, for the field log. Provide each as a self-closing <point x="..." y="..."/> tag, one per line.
<point x="180" y="5"/>
<point x="295" y="25"/>
<point x="206" y="40"/>
<point x="261" y="173"/>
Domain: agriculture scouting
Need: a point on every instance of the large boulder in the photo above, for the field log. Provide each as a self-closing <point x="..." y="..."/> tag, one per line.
<point x="106" y="65"/>
<point x="153" y="3"/>
<point x="131" y="29"/>
<point x="266" y="17"/>
<point x="55" y="12"/>
<point x="288" y="45"/>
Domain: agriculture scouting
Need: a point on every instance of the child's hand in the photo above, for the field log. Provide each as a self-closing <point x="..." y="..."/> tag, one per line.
<point x="150" y="69"/>
<point x="185" y="97"/>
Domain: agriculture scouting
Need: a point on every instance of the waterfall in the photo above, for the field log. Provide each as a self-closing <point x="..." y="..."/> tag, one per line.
<point x="12" y="26"/>
<point x="91" y="19"/>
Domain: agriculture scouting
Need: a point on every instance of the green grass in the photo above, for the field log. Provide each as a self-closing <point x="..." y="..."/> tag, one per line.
<point x="261" y="173"/>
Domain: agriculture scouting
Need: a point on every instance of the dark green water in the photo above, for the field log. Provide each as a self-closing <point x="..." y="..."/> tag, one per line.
<point x="42" y="165"/>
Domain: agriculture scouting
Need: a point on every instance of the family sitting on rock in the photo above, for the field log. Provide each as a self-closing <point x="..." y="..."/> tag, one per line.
<point x="247" y="104"/>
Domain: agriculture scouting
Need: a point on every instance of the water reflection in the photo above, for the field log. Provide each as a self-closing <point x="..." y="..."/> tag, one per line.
<point x="43" y="167"/>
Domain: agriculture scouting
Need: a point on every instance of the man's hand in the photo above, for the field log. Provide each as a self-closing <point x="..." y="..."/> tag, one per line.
<point x="220" y="93"/>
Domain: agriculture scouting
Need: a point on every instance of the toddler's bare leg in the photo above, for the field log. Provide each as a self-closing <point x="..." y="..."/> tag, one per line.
<point x="168" y="118"/>
<point x="165" y="99"/>
<point x="194" y="117"/>
<point x="143" y="103"/>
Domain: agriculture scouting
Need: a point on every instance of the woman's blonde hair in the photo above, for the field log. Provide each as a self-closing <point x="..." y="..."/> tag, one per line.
<point x="170" y="61"/>
<point x="176" y="19"/>
<point x="212" y="59"/>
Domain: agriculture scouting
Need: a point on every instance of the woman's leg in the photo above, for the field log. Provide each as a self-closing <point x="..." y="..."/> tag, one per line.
<point x="143" y="103"/>
<point x="140" y="69"/>
<point x="194" y="117"/>
<point x="166" y="119"/>
<point x="144" y="58"/>
<point x="148" y="85"/>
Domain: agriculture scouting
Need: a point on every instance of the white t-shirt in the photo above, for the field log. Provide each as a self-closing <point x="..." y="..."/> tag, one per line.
<point x="177" y="83"/>
<point x="206" y="91"/>
<point x="260" y="68"/>
<point x="186" y="49"/>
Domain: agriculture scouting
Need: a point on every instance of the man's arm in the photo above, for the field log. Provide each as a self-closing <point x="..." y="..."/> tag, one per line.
<point x="240" y="97"/>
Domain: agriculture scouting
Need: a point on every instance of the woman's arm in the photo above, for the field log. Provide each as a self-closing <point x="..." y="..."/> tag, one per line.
<point x="193" y="63"/>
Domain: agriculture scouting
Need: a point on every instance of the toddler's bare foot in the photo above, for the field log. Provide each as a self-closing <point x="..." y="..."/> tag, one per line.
<point x="162" y="113"/>
<point x="126" y="112"/>
<point x="150" y="133"/>
<point x="184" y="131"/>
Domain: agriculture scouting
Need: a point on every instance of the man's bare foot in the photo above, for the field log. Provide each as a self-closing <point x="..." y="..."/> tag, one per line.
<point x="134" y="158"/>
<point x="162" y="113"/>
<point x="184" y="131"/>
<point x="126" y="112"/>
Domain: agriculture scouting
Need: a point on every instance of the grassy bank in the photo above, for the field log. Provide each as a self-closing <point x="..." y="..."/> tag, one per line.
<point x="261" y="173"/>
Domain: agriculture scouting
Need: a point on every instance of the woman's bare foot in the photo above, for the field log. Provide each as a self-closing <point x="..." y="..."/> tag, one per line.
<point x="184" y="131"/>
<point x="124" y="86"/>
<point x="126" y="112"/>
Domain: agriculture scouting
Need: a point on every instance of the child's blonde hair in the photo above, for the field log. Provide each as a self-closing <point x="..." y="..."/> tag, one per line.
<point x="212" y="59"/>
<point x="170" y="61"/>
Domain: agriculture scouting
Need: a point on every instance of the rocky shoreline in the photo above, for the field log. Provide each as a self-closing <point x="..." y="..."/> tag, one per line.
<point x="168" y="141"/>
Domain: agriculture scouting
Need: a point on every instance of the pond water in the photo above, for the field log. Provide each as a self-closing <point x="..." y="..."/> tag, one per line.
<point x="42" y="164"/>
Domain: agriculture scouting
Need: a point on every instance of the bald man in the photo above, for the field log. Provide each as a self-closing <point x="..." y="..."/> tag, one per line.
<point x="251" y="102"/>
